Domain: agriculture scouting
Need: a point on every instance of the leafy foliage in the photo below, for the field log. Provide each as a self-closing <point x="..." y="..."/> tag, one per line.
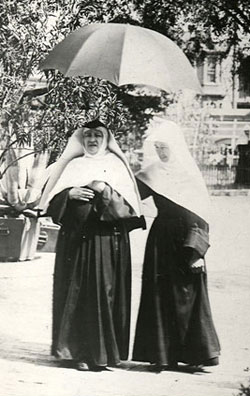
<point x="30" y="29"/>
<point x="23" y="27"/>
<point x="195" y="25"/>
<point x="71" y="102"/>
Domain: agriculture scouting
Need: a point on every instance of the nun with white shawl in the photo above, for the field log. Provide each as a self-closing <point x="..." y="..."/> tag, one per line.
<point x="174" y="321"/>
<point x="91" y="192"/>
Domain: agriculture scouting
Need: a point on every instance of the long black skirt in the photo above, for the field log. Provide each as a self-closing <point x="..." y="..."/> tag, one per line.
<point x="92" y="293"/>
<point x="174" y="321"/>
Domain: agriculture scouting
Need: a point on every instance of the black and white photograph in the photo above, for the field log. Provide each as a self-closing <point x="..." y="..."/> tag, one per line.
<point x="124" y="198"/>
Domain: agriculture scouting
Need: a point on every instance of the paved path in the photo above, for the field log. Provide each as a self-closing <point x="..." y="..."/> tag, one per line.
<point x="27" y="369"/>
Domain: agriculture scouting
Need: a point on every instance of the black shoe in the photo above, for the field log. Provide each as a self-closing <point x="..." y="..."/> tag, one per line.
<point x="211" y="362"/>
<point x="97" y="368"/>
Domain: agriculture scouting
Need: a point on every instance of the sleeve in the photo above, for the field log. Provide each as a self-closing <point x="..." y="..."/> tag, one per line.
<point x="57" y="206"/>
<point x="144" y="190"/>
<point x="197" y="239"/>
<point x="196" y="242"/>
<point x="64" y="210"/>
<point x="112" y="206"/>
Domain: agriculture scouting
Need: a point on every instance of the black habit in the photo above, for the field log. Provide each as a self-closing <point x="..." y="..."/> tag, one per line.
<point x="174" y="321"/>
<point x="92" y="279"/>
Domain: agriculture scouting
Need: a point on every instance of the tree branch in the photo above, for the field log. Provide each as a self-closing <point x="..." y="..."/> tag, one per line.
<point x="226" y="9"/>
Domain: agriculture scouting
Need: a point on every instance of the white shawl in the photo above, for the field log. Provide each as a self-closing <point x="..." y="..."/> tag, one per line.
<point x="74" y="169"/>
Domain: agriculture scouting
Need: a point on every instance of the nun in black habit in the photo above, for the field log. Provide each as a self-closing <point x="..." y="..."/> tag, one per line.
<point x="174" y="322"/>
<point x="92" y="194"/>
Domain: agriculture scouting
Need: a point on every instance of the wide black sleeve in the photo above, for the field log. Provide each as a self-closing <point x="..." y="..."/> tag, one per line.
<point x="197" y="239"/>
<point x="144" y="190"/>
<point x="196" y="242"/>
<point x="57" y="206"/>
<point x="112" y="206"/>
<point x="64" y="210"/>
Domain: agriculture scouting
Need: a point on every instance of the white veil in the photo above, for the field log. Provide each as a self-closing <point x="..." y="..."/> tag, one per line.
<point x="179" y="179"/>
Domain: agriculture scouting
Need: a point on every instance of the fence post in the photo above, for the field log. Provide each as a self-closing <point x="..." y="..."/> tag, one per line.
<point x="196" y="133"/>
<point x="233" y="138"/>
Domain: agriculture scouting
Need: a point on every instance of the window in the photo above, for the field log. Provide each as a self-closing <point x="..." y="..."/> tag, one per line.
<point x="244" y="79"/>
<point x="212" y="70"/>
<point x="244" y="88"/>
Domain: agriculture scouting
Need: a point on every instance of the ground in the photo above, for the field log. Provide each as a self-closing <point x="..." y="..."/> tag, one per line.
<point x="27" y="369"/>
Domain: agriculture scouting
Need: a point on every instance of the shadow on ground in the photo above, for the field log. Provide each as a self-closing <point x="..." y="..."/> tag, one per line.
<point x="39" y="354"/>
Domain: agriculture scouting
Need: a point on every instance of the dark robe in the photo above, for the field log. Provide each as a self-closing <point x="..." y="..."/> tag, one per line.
<point x="242" y="176"/>
<point x="174" y="321"/>
<point x="92" y="278"/>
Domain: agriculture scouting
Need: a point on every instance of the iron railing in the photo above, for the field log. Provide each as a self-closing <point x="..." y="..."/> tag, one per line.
<point x="224" y="176"/>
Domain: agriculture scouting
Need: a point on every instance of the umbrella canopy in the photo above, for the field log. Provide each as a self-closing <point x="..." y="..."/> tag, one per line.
<point x="123" y="54"/>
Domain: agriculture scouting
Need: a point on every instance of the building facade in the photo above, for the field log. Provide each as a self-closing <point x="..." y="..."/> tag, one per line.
<point x="227" y="95"/>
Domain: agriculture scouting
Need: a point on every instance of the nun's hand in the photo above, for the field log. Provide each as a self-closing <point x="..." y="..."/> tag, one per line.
<point x="97" y="186"/>
<point x="197" y="267"/>
<point x="81" y="193"/>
